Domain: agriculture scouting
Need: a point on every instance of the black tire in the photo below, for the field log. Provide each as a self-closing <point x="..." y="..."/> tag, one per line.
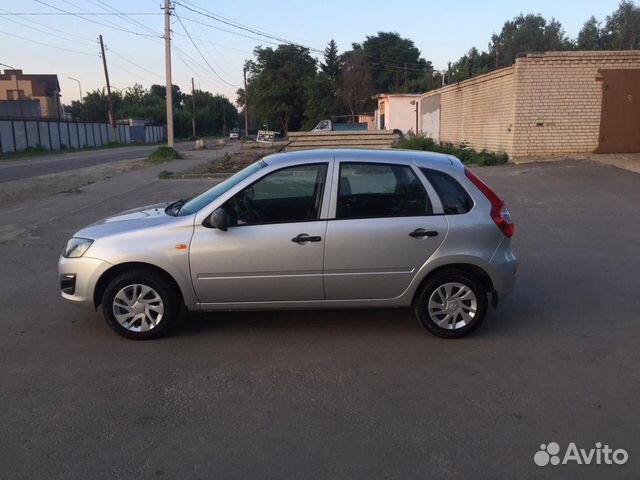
<point x="423" y="295"/>
<point x="170" y="300"/>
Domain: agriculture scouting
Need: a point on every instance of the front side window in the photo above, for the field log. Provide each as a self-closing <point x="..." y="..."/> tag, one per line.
<point x="292" y="194"/>
<point x="367" y="190"/>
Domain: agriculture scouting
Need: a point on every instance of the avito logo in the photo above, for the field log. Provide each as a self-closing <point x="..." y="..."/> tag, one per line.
<point x="549" y="453"/>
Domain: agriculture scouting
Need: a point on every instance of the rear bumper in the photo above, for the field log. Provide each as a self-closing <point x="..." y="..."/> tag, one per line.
<point x="78" y="279"/>
<point x="503" y="270"/>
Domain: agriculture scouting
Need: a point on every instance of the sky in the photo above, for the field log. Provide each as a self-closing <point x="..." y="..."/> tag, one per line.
<point x="67" y="45"/>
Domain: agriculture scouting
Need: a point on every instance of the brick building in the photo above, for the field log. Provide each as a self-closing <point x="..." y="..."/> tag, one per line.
<point x="544" y="104"/>
<point x="20" y="91"/>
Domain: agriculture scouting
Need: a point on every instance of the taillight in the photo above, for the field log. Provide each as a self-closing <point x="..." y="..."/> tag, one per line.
<point x="499" y="213"/>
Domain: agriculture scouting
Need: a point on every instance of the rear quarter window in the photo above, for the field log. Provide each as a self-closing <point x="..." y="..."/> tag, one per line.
<point x="455" y="199"/>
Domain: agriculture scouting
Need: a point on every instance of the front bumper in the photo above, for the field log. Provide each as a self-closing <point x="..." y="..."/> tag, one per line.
<point x="78" y="278"/>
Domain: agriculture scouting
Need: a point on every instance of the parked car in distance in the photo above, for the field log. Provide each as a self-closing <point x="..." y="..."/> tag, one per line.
<point x="310" y="229"/>
<point x="234" y="134"/>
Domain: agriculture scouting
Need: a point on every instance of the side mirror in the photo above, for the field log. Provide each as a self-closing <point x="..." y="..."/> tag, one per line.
<point x="218" y="219"/>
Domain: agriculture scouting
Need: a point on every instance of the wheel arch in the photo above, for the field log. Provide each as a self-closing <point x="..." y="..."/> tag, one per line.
<point x="474" y="270"/>
<point x="114" y="271"/>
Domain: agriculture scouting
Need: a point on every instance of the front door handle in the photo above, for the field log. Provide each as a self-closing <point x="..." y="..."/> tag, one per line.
<point x="304" y="238"/>
<point x="421" y="232"/>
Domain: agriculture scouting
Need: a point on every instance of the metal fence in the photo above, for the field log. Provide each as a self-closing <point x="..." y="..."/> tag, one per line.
<point x="18" y="135"/>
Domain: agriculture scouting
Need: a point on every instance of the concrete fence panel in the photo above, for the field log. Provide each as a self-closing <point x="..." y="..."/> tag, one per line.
<point x="54" y="135"/>
<point x="6" y="136"/>
<point x="17" y="135"/>
<point x="65" y="142"/>
<point x="32" y="134"/>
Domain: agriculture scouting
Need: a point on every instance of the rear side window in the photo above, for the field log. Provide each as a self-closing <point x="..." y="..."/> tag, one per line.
<point x="455" y="199"/>
<point x="368" y="190"/>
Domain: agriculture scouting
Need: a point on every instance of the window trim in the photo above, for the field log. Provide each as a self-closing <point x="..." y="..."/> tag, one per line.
<point x="322" y="195"/>
<point x="410" y="166"/>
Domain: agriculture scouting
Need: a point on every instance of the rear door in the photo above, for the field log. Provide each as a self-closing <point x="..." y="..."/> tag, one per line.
<point x="381" y="230"/>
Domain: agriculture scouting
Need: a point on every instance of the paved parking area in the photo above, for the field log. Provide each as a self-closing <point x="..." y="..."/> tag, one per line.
<point x="341" y="394"/>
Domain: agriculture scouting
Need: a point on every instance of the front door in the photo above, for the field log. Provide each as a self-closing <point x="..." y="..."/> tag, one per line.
<point x="383" y="232"/>
<point x="273" y="248"/>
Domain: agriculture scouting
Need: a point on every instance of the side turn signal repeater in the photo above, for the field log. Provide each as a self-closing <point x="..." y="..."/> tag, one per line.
<point x="181" y="246"/>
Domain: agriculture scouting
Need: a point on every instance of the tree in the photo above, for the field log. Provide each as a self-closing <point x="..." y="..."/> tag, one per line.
<point x="331" y="65"/>
<point x="356" y="84"/>
<point x="622" y="28"/>
<point x="277" y="79"/>
<point x="393" y="61"/>
<point x="528" y="33"/>
<point x="589" y="37"/>
<point x="318" y="99"/>
<point x="161" y="91"/>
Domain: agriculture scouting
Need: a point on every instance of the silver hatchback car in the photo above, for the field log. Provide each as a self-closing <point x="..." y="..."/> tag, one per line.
<point x="309" y="229"/>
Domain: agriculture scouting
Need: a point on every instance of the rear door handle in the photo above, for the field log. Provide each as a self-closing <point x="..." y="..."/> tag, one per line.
<point x="303" y="238"/>
<point x="421" y="232"/>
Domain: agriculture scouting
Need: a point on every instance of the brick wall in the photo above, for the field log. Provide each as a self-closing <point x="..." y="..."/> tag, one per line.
<point x="480" y="111"/>
<point x="545" y="104"/>
<point x="558" y="100"/>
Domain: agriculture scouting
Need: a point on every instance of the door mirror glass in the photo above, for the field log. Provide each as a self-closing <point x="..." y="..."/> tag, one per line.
<point x="218" y="219"/>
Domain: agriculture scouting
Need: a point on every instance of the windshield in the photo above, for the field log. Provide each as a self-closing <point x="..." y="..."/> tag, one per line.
<point x="204" y="199"/>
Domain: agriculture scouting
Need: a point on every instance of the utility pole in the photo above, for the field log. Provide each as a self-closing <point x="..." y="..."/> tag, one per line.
<point x="112" y="118"/>
<point x="193" y="108"/>
<point x="167" y="63"/>
<point x="246" y="102"/>
<point x="405" y="76"/>
<point x="224" y="119"/>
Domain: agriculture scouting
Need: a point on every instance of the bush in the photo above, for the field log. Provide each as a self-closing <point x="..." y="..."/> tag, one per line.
<point x="464" y="152"/>
<point x="164" y="174"/>
<point x="163" y="154"/>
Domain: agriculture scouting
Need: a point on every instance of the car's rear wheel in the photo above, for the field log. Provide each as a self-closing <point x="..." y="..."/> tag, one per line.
<point x="140" y="305"/>
<point x="451" y="304"/>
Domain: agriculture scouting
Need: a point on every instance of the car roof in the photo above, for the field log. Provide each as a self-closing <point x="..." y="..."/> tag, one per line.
<point x="362" y="154"/>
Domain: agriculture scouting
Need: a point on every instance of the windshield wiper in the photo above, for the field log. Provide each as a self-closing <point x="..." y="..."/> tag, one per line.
<point x="174" y="207"/>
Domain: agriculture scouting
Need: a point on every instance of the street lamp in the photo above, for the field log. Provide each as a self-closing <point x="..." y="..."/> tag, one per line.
<point x="81" y="100"/>
<point x="415" y="102"/>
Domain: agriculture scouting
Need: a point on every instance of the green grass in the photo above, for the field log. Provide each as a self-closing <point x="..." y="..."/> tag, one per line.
<point x="161" y="155"/>
<point x="466" y="154"/>
<point x="164" y="174"/>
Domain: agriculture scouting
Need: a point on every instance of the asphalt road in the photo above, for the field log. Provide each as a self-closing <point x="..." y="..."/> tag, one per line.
<point x="29" y="167"/>
<point x="341" y="394"/>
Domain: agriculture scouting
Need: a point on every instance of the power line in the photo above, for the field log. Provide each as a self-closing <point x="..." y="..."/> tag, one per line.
<point x="94" y="14"/>
<point x="247" y="29"/>
<point x="46" y="44"/>
<point x="79" y="15"/>
<point x="87" y="40"/>
<point x="188" y="19"/>
<point x="131" y="62"/>
<point x="200" y="53"/>
<point x="125" y="16"/>
<point x="42" y="31"/>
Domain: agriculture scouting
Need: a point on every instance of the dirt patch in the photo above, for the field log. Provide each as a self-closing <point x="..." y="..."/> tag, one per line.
<point x="228" y="164"/>
<point x="67" y="183"/>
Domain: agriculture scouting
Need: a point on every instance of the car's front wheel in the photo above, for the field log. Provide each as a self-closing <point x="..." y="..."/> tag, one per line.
<point x="451" y="304"/>
<point x="140" y="305"/>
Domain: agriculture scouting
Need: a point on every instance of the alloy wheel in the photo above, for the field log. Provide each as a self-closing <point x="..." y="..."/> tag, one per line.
<point x="452" y="306"/>
<point x="138" y="307"/>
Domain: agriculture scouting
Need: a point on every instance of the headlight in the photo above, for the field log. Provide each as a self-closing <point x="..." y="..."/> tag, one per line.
<point x="76" y="247"/>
